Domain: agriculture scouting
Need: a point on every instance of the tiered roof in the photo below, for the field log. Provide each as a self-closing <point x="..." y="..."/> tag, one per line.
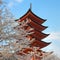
<point x="33" y="17"/>
<point x="35" y="22"/>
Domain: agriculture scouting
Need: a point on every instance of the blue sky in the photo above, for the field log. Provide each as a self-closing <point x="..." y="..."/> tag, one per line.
<point x="46" y="9"/>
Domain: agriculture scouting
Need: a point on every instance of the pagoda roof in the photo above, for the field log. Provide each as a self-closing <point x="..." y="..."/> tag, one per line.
<point x="37" y="26"/>
<point x="38" y="35"/>
<point x="32" y="16"/>
<point x="40" y="44"/>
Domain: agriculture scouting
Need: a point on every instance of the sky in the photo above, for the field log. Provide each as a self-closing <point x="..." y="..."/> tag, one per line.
<point x="46" y="9"/>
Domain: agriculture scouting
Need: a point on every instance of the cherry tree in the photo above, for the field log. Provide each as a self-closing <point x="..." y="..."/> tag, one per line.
<point x="12" y="36"/>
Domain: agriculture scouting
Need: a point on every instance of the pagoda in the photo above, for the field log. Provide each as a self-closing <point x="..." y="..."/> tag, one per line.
<point x="34" y="22"/>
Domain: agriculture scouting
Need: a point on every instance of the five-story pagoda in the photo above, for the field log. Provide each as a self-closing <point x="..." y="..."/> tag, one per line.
<point x="34" y="22"/>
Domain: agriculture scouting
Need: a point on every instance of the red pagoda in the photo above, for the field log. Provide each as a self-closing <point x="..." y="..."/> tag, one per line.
<point x="35" y="22"/>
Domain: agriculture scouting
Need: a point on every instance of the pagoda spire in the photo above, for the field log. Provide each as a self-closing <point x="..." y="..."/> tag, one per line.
<point x="30" y="6"/>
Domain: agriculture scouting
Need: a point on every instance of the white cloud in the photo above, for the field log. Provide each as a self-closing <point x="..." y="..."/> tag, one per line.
<point x="55" y="45"/>
<point x="54" y="36"/>
<point x="12" y="3"/>
<point x="19" y="1"/>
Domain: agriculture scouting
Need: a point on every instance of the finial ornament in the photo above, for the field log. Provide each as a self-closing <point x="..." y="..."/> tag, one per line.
<point x="30" y="6"/>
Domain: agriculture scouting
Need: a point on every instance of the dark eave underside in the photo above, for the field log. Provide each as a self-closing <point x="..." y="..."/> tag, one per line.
<point x="29" y="11"/>
<point x="40" y="44"/>
<point x="36" y="27"/>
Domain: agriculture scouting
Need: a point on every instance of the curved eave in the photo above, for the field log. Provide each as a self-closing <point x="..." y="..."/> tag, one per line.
<point x="29" y="12"/>
<point x="37" y="27"/>
<point x="39" y="37"/>
<point x="34" y="27"/>
<point x="39" y="34"/>
<point x="40" y="44"/>
<point x="34" y="20"/>
<point x="37" y="16"/>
